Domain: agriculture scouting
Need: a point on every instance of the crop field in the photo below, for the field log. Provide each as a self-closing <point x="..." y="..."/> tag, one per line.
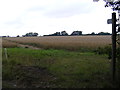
<point x="6" y="43"/>
<point x="63" y="42"/>
<point x="56" y="62"/>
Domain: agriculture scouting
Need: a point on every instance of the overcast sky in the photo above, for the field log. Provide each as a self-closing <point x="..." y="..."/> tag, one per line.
<point x="18" y="17"/>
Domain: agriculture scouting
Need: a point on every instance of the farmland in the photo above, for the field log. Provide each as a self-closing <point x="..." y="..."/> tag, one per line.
<point x="6" y="43"/>
<point x="56" y="62"/>
<point x="63" y="42"/>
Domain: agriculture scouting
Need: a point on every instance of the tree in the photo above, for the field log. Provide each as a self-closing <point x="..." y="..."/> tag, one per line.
<point x="104" y="33"/>
<point x="30" y="34"/>
<point x="64" y="33"/>
<point x="18" y="36"/>
<point x="93" y="33"/>
<point x="76" y="33"/>
<point x="35" y="34"/>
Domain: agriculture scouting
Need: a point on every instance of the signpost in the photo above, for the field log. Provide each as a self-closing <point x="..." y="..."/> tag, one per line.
<point x="109" y="21"/>
<point x="115" y="4"/>
<point x="113" y="62"/>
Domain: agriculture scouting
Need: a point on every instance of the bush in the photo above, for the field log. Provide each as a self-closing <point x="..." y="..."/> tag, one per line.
<point x="108" y="50"/>
<point x="104" y="50"/>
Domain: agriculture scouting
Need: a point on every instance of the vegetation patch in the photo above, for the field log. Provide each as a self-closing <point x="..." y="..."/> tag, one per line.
<point x="55" y="69"/>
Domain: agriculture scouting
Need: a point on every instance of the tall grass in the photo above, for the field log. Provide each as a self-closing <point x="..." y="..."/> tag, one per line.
<point x="71" y="69"/>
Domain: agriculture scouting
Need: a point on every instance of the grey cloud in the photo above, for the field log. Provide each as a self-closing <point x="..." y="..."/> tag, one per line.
<point x="16" y="23"/>
<point x="36" y="8"/>
<point x="69" y="10"/>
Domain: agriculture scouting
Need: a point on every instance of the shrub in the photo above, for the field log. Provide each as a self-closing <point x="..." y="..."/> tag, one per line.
<point x="103" y="50"/>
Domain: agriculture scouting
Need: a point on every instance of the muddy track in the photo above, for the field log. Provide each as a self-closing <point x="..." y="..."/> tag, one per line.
<point x="31" y="77"/>
<point x="28" y="46"/>
<point x="23" y="45"/>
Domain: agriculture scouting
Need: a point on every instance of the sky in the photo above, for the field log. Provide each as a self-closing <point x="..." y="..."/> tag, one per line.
<point x="18" y="17"/>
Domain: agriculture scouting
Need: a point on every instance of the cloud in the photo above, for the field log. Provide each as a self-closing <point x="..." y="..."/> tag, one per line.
<point x="69" y="9"/>
<point x="36" y="8"/>
<point x="15" y="23"/>
<point x="49" y="16"/>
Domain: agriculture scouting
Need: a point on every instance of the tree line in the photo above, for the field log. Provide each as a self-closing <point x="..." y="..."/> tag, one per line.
<point x="76" y="33"/>
<point x="62" y="33"/>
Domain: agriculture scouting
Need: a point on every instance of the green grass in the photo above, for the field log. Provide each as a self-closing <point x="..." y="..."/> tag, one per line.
<point x="71" y="69"/>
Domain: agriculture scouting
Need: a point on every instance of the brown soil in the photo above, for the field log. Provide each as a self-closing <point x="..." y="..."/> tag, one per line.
<point x="32" y="77"/>
<point x="28" y="46"/>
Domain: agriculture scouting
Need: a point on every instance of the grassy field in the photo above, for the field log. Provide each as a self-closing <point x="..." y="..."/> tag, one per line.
<point x="55" y="68"/>
<point x="58" y="62"/>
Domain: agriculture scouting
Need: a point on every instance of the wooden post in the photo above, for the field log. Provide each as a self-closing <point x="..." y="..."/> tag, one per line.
<point x="6" y="56"/>
<point x="113" y="46"/>
<point x="0" y="63"/>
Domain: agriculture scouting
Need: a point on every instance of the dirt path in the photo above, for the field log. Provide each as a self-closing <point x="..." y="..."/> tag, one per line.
<point x="31" y="77"/>
<point x="28" y="46"/>
<point x="23" y="45"/>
